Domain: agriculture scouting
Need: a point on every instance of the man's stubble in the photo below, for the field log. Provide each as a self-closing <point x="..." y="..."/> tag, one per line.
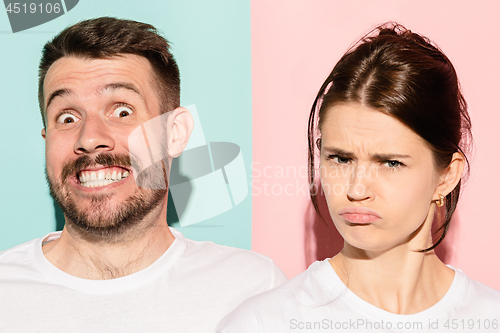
<point x="97" y="220"/>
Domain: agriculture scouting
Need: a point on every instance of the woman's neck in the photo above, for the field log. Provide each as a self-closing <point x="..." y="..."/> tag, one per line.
<point x="400" y="280"/>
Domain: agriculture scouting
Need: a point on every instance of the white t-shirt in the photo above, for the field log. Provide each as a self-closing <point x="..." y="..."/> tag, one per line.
<point x="188" y="289"/>
<point x="318" y="301"/>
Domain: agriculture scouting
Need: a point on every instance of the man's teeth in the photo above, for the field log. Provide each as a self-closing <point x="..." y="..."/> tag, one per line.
<point x="101" y="178"/>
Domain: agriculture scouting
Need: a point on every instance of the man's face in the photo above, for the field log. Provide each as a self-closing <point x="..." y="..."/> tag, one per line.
<point x="91" y="108"/>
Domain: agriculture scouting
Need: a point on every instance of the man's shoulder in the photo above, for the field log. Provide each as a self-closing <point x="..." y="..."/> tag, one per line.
<point x="18" y="264"/>
<point x="226" y="253"/>
<point x="229" y="263"/>
<point x="14" y="254"/>
<point x="222" y="254"/>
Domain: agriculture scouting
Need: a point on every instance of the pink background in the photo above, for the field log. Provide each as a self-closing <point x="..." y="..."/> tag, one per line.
<point x="295" y="44"/>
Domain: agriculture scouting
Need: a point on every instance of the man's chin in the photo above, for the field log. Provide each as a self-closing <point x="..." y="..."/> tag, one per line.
<point x="99" y="218"/>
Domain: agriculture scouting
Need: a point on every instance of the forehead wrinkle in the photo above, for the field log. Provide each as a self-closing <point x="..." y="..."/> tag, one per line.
<point x="344" y="140"/>
<point x="364" y="149"/>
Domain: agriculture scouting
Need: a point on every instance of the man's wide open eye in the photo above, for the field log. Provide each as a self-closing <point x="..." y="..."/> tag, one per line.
<point x="67" y="118"/>
<point x="122" y="111"/>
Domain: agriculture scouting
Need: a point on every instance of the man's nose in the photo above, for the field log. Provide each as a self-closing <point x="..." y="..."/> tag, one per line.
<point x="94" y="137"/>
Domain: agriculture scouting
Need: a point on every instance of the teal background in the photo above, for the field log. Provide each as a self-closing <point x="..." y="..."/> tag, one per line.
<point x="211" y="43"/>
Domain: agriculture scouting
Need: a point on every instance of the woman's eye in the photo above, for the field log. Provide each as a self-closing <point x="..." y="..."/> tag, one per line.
<point x="393" y="164"/>
<point x="339" y="159"/>
<point x="122" y="111"/>
<point x="67" y="118"/>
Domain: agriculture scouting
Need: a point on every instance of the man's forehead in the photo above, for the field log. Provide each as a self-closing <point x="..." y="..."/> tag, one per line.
<point x="74" y="67"/>
<point x="127" y="71"/>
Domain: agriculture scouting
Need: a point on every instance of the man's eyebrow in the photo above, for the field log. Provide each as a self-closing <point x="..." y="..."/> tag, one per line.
<point x="57" y="93"/>
<point x="120" y="85"/>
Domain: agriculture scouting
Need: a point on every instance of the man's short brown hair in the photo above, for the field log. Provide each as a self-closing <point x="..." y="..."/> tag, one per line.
<point x="107" y="37"/>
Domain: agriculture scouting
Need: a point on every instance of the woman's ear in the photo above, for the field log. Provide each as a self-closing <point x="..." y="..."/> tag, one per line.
<point x="451" y="175"/>
<point x="180" y="125"/>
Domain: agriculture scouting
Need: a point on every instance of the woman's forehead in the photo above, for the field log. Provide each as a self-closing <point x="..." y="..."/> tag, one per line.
<point x="355" y="126"/>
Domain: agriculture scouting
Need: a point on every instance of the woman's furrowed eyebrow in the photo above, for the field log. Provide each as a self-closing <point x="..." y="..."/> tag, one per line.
<point x="337" y="151"/>
<point x="376" y="157"/>
<point x="386" y="157"/>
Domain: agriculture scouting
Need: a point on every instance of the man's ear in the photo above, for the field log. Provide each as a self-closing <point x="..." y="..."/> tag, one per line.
<point x="451" y="175"/>
<point x="180" y="125"/>
<point x="44" y="133"/>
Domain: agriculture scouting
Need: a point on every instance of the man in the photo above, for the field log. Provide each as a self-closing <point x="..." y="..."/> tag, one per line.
<point x="117" y="266"/>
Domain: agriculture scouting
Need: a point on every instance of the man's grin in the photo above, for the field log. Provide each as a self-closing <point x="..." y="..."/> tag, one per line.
<point x="102" y="177"/>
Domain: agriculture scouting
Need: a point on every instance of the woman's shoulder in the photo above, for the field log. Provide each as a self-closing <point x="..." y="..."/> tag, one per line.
<point x="309" y="290"/>
<point x="476" y="297"/>
<point x="481" y="292"/>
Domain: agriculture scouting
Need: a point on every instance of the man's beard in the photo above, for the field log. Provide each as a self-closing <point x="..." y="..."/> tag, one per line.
<point x="97" y="219"/>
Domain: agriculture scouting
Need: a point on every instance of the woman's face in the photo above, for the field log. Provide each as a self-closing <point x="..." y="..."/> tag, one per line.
<point x="378" y="177"/>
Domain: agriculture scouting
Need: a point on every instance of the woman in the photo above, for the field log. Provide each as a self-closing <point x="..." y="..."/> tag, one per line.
<point x="391" y="129"/>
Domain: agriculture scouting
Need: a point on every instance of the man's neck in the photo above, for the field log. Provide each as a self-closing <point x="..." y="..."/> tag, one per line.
<point x="101" y="261"/>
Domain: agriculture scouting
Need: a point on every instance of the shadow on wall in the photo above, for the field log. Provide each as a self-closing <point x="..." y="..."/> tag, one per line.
<point x="59" y="216"/>
<point x="445" y="250"/>
<point x="322" y="240"/>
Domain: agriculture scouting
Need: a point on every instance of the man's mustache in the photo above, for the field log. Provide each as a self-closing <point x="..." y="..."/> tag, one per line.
<point x="102" y="159"/>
